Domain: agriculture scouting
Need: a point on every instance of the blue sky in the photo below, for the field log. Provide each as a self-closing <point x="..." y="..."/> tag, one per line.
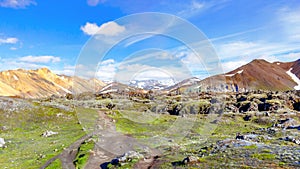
<point x="52" y="33"/>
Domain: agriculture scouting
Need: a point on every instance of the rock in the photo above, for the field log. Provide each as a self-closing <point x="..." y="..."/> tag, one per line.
<point x="247" y="117"/>
<point x="288" y="123"/>
<point x="129" y="156"/>
<point x="239" y="137"/>
<point x="193" y="159"/>
<point x="49" y="133"/>
<point x="292" y="139"/>
<point x="115" y="162"/>
<point x="264" y="107"/>
<point x="296" y="106"/>
<point x="4" y="128"/>
<point x="185" y="161"/>
<point x="241" y="98"/>
<point x="2" y="142"/>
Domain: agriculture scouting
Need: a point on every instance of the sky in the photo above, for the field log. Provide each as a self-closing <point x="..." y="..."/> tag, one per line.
<point x="71" y="35"/>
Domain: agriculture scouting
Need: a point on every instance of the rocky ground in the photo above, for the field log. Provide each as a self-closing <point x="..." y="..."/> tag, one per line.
<point x="202" y="130"/>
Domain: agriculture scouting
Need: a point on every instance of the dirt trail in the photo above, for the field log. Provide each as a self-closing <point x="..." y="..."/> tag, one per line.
<point x="68" y="155"/>
<point x="110" y="145"/>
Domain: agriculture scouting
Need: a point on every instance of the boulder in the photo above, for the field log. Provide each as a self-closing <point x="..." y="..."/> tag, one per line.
<point x="264" y="107"/>
<point x="2" y="142"/>
<point x="239" y="137"/>
<point x="247" y="117"/>
<point x="129" y="156"/>
<point x="288" y="123"/>
<point x="296" y="106"/>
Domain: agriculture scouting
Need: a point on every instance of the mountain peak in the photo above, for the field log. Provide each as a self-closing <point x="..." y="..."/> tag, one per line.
<point x="259" y="61"/>
<point x="43" y="69"/>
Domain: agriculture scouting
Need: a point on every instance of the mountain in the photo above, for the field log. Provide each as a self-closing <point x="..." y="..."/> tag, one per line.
<point x="43" y="83"/>
<point x="258" y="74"/>
<point x="187" y="83"/>
<point x="116" y="87"/>
<point x="151" y="84"/>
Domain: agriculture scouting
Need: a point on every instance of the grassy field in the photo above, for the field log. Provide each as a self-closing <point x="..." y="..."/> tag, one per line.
<point x="26" y="148"/>
<point x="175" y="136"/>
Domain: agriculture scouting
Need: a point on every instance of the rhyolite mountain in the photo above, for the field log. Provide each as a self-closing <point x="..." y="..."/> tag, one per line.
<point x="43" y="83"/>
<point x="258" y="74"/>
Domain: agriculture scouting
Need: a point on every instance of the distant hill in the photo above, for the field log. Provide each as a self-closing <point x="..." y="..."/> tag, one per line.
<point x="258" y="74"/>
<point x="43" y="83"/>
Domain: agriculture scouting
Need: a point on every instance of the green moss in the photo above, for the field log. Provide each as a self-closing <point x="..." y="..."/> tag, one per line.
<point x="26" y="148"/>
<point x="83" y="154"/>
<point x="55" y="165"/>
<point x="281" y="163"/>
<point x="266" y="151"/>
<point x="253" y="146"/>
<point x="264" y="156"/>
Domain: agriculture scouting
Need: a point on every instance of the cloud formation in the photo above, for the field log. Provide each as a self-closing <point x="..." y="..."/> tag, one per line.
<point x="290" y="20"/>
<point x="16" y="4"/>
<point x="94" y="2"/>
<point x="8" y="41"/>
<point x="40" y="59"/>
<point x="109" y="29"/>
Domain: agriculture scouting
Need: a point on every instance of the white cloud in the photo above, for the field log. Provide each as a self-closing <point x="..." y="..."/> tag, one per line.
<point x="231" y="65"/>
<point x="13" y="48"/>
<point x="290" y="20"/>
<point x="253" y="50"/>
<point x="108" y="61"/>
<point x="9" y="64"/>
<point x="94" y="2"/>
<point x="106" y="70"/>
<point x="9" y="41"/>
<point x="40" y="59"/>
<point x="269" y="58"/>
<point x="109" y="29"/>
<point x="16" y="3"/>
<point x="291" y="56"/>
<point x="192" y="8"/>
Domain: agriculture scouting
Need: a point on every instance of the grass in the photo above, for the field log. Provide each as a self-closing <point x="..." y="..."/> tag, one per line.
<point x="26" y="148"/>
<point x="83" y="154"/>
<point x="253" y="146"/>
<point x="55" y="165"/>
<point x="87" y="117"/>
<point x="264" y="156"/>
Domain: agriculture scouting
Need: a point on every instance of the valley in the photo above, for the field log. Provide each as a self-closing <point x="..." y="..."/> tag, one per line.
<point x="236" y="122"/>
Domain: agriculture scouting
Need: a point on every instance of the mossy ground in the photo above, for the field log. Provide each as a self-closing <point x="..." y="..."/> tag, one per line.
<point x="83" y="154"/>
<point x="26" y="148"/>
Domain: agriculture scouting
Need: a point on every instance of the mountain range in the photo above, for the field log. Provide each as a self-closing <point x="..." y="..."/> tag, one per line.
<point x="258" y="74"/>
<point x="43" y="83"/>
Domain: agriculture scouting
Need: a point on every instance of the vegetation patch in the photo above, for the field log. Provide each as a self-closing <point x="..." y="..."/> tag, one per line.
<point x="55" y="165"/>
<point x="83" y="154"/>
<point x="264" y="156"/>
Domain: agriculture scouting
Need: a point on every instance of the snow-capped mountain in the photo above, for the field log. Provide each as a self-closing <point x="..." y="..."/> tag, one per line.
<point x="151" y="84"/>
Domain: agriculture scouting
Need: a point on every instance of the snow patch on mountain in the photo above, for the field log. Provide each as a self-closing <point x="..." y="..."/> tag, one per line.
<point x="151" y="84"/>
<point x="295" y="78"/>
<point x="16" y="78"/>
<point x="238" y="72"/>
